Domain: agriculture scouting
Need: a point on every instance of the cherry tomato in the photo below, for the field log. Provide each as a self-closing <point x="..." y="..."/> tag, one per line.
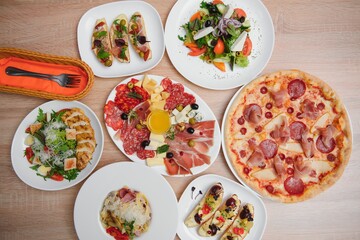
<point x="239" y="12"/>
<point x="247" y="47"/>
<point x="116" y="233"/>
<point x="29" y="154"/>
<point x="57" y="177"/>
<point x="197" y="51"/>
<point x="220" y="219"/>
<point x="219" y="47"/>
<point x="238" y="231"/>
<point x="206" y="209"/>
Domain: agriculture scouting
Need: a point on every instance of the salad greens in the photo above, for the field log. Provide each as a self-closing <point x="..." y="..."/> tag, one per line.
<point x="218" y="34"/>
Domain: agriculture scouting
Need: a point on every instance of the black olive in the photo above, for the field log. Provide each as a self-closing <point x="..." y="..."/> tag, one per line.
<point x="194" y="105"/>
<point x="124" y="116"/>
<point x="190" y="130"/>
<point x="250" y="219"/>
<point x="215" y="190"/>
<point x="213" y="42"/>
<point x="169" y="155"/>
<point x="231" y="202"/>
<point x="242" y="19"/>
<point x="145" y="143"/>
<point x="142" y="39"/>
<point x="197" y="218"/>
<point x="243" y="214"/>
<point x="97" y="43"/>
<point x="119" y="42"/>
<point x="230" y="238"/>
<point x="213" y="229"/>
<point x="207" y="23"/>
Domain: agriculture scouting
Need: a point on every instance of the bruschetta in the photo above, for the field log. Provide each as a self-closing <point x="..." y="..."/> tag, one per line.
<point x="222" y="218"/>
<point x="119" y="38"/>
<point x="242" y="224"/>
<point x="206" y="207"/>
<point x="101" y="43"/>
<point x="138" y="37"/>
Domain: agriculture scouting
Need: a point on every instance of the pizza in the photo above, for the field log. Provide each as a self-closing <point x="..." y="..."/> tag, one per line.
<point x="288" y="136"/>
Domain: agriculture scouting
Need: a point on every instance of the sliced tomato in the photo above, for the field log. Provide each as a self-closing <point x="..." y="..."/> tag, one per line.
<point x="196" y="15"/>
<point x="57" y="177"/>
<point x="247" y="46"/>
<point x="206" y="209"/>
<point x="239" y="12"/>
<point x="99" y="24"/>
<point x="217" y="2"/>
<point x="29" y="154"/>
<point x="190" y="45"/>
<point x="117" y="234"/>
<point x="146" y="55"/>
<point x="219" y="47"/>
<point x="220" y="66"/>
<point x="220" y="219"/>
<point x="197" y="51"/>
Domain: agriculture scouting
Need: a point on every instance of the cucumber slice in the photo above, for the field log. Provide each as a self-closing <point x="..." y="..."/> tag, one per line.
<point x="246" y="24"/>
<point x="205" y="11"/>
<point x="221" y="7"/>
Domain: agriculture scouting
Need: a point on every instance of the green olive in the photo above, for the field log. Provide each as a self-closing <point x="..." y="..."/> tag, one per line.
<point x="108" y="63"/>
<point x="192" y="121"/>
<point x="139" y="126"/>
<point x="179" y="107"/>
<point x="123" y="22"/>
<point x="191" y="143"/>
<point x="134" y="27"/>
<point x="130" y="85"/>
<point x="141" y="54"/>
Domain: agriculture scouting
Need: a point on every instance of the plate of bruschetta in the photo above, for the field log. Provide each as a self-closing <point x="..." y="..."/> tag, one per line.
<point x="121" y="38"/>
<point x="216" y="208"/>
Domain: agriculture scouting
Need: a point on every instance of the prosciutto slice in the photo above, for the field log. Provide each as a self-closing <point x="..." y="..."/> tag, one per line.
<point x="327" y="135"/>
<point x="256" y="159"/>
<point x="279" y="166"/>
<point x="279" y="97"/>
<point x="309" y="110"/>
<point x="307" y="145"/>
<point x="281" y="132"/>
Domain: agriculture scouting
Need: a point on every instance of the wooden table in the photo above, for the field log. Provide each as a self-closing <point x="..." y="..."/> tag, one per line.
<point x="320" y="37"/>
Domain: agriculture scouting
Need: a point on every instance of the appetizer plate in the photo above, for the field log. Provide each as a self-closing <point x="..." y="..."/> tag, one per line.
<point x="203" y="108"/>
<point x="110" y="11"/>
<point x="114" y="176"/>
<point x="203" y="183"/>
<point x="22" y="166"/>
<point x="207" y="75"/>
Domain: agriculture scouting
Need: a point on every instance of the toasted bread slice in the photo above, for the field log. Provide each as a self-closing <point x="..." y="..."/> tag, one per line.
<point x="100" y="43"/>
<point x="138" y="36"/>
<point x="119" y="39"/>
<point x="242" y="224"/>
<point x="222" y="218"/>
<point x="206" y="207"/>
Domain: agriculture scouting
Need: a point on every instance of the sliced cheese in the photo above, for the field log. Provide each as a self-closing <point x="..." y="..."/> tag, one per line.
<point x="155" y="97"/>
<point x="266" y="174"/>
<point x="321" y="166"/>
<point x="156" y="140"/>
<point x="321" y="122"/>
<point x="228" y="11"/>
<point x="165" y="95"/>
<point x="239" y="43"/>
<point x="158" y="89"/>
<point x="157" y="137"/>
<point x="156" y="161"/>
<point x="292" y="147"/>
<point x="203" y="32"/>
<point x="148" y="84"/>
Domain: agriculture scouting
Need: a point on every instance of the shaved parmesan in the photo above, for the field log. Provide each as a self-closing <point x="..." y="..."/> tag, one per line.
<point x="321" y="166"/>
<point x="321" y="122"/>
<point x="292" y="147"/>
<point x="266" y="174"/>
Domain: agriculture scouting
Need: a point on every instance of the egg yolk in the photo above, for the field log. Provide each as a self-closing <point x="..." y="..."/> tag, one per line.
<point x="158" y="121"/>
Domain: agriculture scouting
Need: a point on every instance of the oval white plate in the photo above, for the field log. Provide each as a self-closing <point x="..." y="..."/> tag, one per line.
<point x="114" y="176"/>
<point x="203" y="108"/>
<point x="110" y="11"/>
<point x="203" y="183"/>
<point x="22" y="166"/>
<point x="207" y="75"/>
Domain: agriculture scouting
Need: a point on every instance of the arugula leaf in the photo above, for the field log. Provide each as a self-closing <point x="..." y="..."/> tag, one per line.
<point x="100" y="34"/>
<point x="118" y="34"/>
<point x="203" y="4"/>
<point x="122" y="54"/>
<point x="182" y="38"/>
<point x="162" y="149"/>
<point x="35" y="167"/>
<point x="41" y="116"/>
<point x="129" y="228"/>
<point x="102" y="54"/>
<point x="134" y="95"/>
<point x="201" y="42"/>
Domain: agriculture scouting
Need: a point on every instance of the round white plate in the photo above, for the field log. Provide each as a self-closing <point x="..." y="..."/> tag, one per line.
<point x="207" y="75"/>
<point x="203" y="183"/>
<point x="114" y="176"/>
<point x="203" y="108"/>
<point x="110" y="11"/>
<point x="22" y="166"/>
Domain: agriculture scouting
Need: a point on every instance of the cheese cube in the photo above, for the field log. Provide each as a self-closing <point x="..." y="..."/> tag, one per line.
<point x="199" y="117"/>
<point x="158" y="89"/>
<point x="148" y="84"/>
<point x="158" y="105"/>
<point x="139" y="83"/>
<point x="175" y="112"/>
<point x="181" y="117"/>
<point x="155" y="97"/>
<point x="165" y="95"/>
<point x="155" y="161"/>
<point x="157" y="137"/>
<point x="69" y="163"/>
<point x="173" y="120"/>
<point x="191" y="114"/>
<point x="70" y="134"/>
<point x="186" y="109"/>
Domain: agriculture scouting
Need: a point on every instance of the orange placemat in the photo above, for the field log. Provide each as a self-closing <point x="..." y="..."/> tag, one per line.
<point x="40" y="84"/>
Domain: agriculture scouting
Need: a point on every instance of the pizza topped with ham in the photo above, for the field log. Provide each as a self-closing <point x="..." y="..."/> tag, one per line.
<point x="160" y="123"/>
<point x="288" y="136"/>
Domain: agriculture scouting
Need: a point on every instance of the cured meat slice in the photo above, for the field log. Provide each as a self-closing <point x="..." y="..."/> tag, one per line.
<point x="113" y="116"/>
<point x="177" y="95"/>
<point x="279" y="97"/>
<point x="309" y="110"/>
<point x="307" y="145"/>
<point x="296" y="88"/>
<point x="173" y="168"/>
<point x="252" y="113"/>
<point x="281" y="132"/>
<point x="296" y="130"/>
<point x="327" y="134"/>
<point x="320" y="145"/>
<point x="269" y="148"/>
<point x="256" y="159"/>
<point x="279" y="166"/>
<point x="133" y="140"/>
<point x="144" y="154"/>
<point x="294" y="186"/>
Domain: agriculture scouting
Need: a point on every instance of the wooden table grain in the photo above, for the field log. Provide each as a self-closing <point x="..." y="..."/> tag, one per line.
<point x="320" y="37"/>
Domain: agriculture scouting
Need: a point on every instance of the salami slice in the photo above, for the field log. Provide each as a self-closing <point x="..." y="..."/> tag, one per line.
<point x="296" y="88"/>
<point x="323" y="147"/>
<point x="252" y="113"/>
<point x="296" y="130"/>
<point x="294" y="186"/>
<point x="269" y="148"/>
<point x="144" y="154"/>
<point x="113" y="116"/>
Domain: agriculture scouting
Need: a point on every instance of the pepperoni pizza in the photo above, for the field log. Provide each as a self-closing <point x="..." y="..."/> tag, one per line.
<point x="288" y="136"/>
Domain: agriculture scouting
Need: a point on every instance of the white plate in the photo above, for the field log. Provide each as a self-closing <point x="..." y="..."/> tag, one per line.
<point x="110" y="11"/>
<point x="203" y="108"/>
<point x="22" y="166"/>
<point x="203" y="183"/>
<point x="112" y="177"/>
<point x="207" y="75"/>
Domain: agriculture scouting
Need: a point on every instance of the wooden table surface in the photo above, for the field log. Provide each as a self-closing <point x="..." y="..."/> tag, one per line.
<point x="319" y="37"/>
